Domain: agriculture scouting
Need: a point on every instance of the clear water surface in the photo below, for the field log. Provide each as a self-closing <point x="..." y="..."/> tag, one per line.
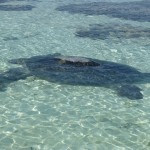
<point x="39" y="115"/>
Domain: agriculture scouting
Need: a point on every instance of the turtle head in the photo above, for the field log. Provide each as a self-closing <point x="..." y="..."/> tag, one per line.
<point x="17" y="61"/>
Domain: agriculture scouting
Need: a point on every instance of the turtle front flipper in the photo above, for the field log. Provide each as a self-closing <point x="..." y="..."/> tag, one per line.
<point x="130" y="91"/>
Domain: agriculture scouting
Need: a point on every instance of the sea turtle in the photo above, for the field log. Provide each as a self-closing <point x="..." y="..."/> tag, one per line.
<point x="75" y="70"/>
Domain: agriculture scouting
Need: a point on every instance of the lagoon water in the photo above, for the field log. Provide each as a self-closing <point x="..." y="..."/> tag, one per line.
<point x="40" y="115"/>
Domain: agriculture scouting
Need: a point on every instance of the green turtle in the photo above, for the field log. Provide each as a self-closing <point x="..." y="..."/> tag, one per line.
<point x="75" y="70"/>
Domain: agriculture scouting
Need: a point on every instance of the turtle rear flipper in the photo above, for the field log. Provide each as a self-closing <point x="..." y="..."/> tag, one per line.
<point x="15" y="74"/>
<point x="12" y="75"/>
<point x="130" y="91"/>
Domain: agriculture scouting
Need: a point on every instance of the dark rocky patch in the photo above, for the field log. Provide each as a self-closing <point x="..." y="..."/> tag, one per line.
<point x="6" y="1"/>
<point x="137" y="10"/>
<point x="16" y="7"/>
<point x="11" y="38"/>
<point x="98" y="31"/>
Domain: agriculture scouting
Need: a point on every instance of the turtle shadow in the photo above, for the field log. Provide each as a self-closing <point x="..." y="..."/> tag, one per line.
<point x="74" y="70"/>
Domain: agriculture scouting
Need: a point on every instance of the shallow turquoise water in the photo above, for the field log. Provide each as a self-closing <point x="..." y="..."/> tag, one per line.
<point x="39" y="115"/>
